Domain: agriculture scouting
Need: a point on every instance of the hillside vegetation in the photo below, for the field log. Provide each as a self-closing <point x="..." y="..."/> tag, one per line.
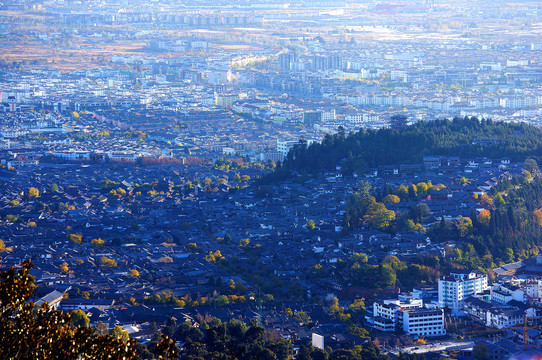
<point x="366" y="149"/>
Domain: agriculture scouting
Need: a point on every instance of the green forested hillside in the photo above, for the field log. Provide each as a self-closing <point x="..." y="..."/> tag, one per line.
<point x="510" y="227"/>
<point x="514" y="229"/>
<point x="369" y="148"/>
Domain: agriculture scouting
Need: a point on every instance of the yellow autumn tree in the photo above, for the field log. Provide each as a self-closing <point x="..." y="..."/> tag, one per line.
<point x="64" y="268"/>
<point x="76" y="238"/>
<point x="484" y="217"/>
<point x="33" y="192"/>
<point x="422" y="188"/>
<point x="463" y="225"/>
<point x="213" y="257"/>
<point x="378" y="216"/>
<point x="421" y="341"/>
<point x="97" y="242"/>
<point x="390" y="198"/>
<point x="486" y="200"/>
<point x="134" y="273"/>
<point x="244" y="242"/>
<point x="107" y="262"/>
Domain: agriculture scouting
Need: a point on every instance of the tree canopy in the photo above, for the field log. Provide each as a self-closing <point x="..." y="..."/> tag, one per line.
<point x="30" y="332"/>
<point x="366" y="149"/>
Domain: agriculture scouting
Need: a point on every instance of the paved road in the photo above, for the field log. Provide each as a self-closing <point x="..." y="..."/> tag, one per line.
<point x="436" y="346"/>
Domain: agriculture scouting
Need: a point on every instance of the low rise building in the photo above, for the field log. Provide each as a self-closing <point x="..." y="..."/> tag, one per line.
<point x="504" y="293"/>
<point x="497" y="316"/>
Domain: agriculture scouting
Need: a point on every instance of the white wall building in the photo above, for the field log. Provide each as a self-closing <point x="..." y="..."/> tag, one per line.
<point x="410" y="316"/>
<point x="496" y="316"/>
<point x="329" y="115"/>
<point x="400" y="75"/>
<point x="504" y="293"/>
<point x="533" y="290"/>
<point x="120" y="156"/>
<point x="458" y="286"/>
<point x="275" y="156"/>
<point x="386" y="313"/>
<point x="423" y="322"/>
<point x="10" y="134"/>
<point x="284" y="146"/>
<point x="361" y="118"/>
<point x="72" y="155"/>
<point x="225" y="100"/>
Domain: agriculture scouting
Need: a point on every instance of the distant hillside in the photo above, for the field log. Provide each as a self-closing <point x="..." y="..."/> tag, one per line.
<point x="467" y="138"/>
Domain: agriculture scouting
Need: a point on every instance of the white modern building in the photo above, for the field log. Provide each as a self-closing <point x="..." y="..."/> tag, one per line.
<point x="458" y="286"/>
<point x="408" y="315"/>
<point x="72" y="155"/>
<point x="497" y="316"/>
<point x="122" y="156"/>
<point x="504" y="293"/>
<point x="423" y="322"/>
<point x="386" y="312"/>
<point x="329" y="115"/>
<point x="533" y="290"/>
<point x="284" y="146"/>
<point x="361" y="118"/>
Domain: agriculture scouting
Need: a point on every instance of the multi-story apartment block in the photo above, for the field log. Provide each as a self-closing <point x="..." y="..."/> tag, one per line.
<point x="423" y="322"/>
<point x="386" y="313"/>
<point x="284" y="146"/>
<point x="409" y="316"/>
<point x="458" y="286"/>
